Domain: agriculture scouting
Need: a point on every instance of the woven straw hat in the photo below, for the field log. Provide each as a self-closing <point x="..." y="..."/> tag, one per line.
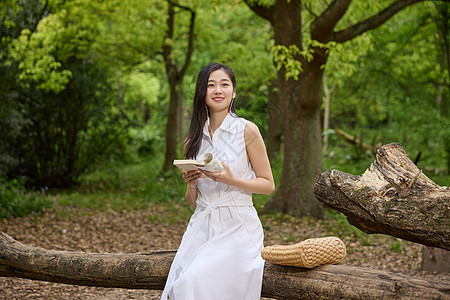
<point x="310" y="253"/>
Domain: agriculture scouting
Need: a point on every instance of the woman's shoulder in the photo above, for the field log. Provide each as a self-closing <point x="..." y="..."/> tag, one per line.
<point x="249" y="125"/>
<point x="251" y="131"/>
<point x="237" y="123"/>
<point x="240" y="120"/>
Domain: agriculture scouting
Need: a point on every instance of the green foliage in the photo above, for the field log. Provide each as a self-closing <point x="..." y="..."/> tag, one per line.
<point x="345" y="157"/>
<point x="396" y="246"/>
<point x="63" y="133"/>
<point x="391" y="95"/>
<point x="130" y="186"/>
<point x="129" y="32"/>
<point x="235" y="36"/>
<point x="341" y="56"/>
<point x="90" y="74"/>
<point x="285" y="58"/>
<point x="146" y="140"/>
<point x="15" y="16"/>
<point x="16" y="201"/>
<point x="340" y="226"/>
<point x="55" y="125"/>
<point x="37" y="62"/>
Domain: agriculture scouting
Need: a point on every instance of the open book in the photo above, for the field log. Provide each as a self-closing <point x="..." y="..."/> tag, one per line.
<point x="189" y="164"/>
<point x="208" y="163"/>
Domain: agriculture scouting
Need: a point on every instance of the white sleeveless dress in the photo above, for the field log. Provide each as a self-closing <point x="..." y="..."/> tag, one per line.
<point x="219" y="255"/>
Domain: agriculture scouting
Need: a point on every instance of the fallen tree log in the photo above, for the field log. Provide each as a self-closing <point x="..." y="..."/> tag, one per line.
<point x="392" y="197"/>
<point x="149" y="271"/>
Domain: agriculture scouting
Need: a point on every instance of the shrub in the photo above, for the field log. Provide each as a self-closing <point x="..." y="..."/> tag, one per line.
<point x="16" y="201"/>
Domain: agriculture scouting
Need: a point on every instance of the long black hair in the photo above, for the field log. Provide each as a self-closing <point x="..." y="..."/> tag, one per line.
<point x="200" y="110"/>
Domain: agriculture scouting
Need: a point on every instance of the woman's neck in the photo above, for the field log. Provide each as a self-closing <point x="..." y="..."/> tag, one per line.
<point x="215" y="120"/>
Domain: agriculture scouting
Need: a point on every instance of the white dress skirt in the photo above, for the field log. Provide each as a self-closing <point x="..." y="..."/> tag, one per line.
<point x="219" y="257"/>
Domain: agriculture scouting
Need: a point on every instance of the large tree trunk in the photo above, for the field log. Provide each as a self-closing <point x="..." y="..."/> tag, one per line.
<point x="443" y="100"/>
<point x="172" y="124"/>
<point x="301" y="107"/>
<point x="302" y="143"/>
<point x="150" y="271"/>
<point x="275" y="128"/>
<point x="301" y="166"/>
<point x="392" y="197"/>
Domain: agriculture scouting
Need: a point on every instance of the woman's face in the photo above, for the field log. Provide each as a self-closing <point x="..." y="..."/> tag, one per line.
<point x="219" y="92"/>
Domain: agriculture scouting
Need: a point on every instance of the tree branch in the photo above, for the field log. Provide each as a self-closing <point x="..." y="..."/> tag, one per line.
<point x="167" y="47"/>
<point x="168" y="39"/>
<point x="262" y="11"/>
<point x="354" y="140"/>
<point x="138" y="50"/>
<point x="173" y="3"/>
<point x="309" y="9"/>
<point x="372" y="22"/>
<point x="323" y="26"/>
<point x="190" y="46"/>
<point x="41" y="16"/>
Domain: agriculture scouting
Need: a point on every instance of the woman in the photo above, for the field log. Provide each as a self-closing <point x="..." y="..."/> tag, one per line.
<point x="219" y="255"/>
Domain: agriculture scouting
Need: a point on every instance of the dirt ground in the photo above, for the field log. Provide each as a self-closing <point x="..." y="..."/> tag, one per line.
<point x="133" y="232"/>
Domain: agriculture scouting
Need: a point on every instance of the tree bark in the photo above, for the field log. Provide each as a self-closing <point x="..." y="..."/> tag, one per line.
<point x="149" y="271"/>
<point x="392" y="197"/>
<point x="180" y="115"/>
<point x="172" y="124"/>
<point x="302" y="142"/>
<point x="275" y="128"/>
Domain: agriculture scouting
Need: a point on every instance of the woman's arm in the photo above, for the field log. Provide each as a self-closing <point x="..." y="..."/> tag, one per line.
<point x="191" y="191"/>
<point x="257" y="155"/>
